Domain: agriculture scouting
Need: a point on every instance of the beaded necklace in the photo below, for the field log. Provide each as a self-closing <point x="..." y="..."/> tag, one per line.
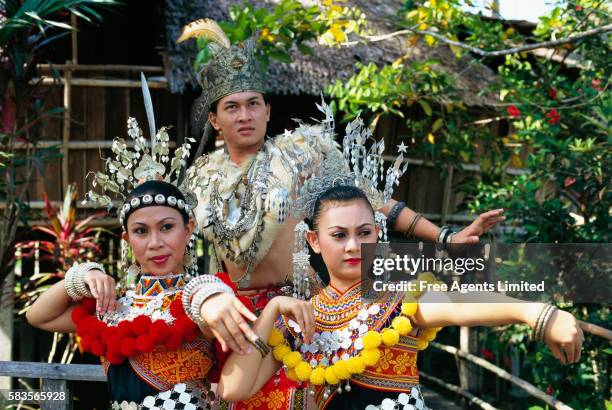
<point x="345" y="342"/>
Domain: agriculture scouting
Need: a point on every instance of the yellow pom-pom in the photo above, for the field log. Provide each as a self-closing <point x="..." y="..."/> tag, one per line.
<point x="356" y="365"/>
<point x="429" y="334"/>
<point x="402" y="325"/>
<point x="292" y="359"/>
<point x="317" y="377"/>
<point x="303" y="371"/>
<point x="291" y="374"/>
<point x="371" y="340"/>
<point x="409" y="308"/>
<point x="330" y="375"/>
<point x="370" y="356"/>
<point x="280" y="351"/>
<point x="276" y="338"/>
<point x="341" y="370"/>
<point x="390" y="337"/>
<point x="427" y="277"/>
<point x="422" y="344"/>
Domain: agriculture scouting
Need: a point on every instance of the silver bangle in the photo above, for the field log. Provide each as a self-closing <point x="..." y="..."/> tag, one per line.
<point x="75" y="283"/>
<point x="544" y="325"/>
<point x="201" y="296"/>
<point x="193" y="286"/>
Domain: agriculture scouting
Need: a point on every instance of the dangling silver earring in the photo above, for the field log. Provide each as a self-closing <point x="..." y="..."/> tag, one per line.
<point x="301" y="262"/>
<point x="190" y="259"/>
<point x="131" y="272"/>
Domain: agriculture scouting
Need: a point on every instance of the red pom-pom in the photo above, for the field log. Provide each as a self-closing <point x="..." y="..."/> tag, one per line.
<point x="84" y="325"/>
<point x="97" y="328"/>
<point x="86" y="343"/>
<point x="89" y="304"/>
<point x="78" y="313"/>
<point x="145" y="344"/>
<point x="115" y="357"/>
<point x="141" y="324"/>
<point x="191" y="336"/>
<point x="128" y="347"/>
<point x="184" y="325"/>
<point x="124" y="329"/>
<point x="114" y="342"/>
<point x="176" y="308"/>
<point x="159" y="331"/>
<point x="98" y="347"/>
<point x="247" y="302"/>
<point x="107" y="334"/>
<point x="173" y="342"/>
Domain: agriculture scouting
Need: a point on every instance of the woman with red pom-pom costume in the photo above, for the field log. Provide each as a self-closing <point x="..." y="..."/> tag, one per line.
<point x="154" y="354"/>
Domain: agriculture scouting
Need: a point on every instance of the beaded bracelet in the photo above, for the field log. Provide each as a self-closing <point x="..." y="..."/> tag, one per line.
<point x="393" y="214"/>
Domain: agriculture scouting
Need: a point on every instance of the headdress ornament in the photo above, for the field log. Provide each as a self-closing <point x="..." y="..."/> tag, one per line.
<point x="145" y="162"/>
<point x="232" y="68"/>
<point x="360" y="164"/>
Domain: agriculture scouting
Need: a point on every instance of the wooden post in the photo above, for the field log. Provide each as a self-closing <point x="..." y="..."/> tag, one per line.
<point x="56" y="386"/>
<point x="468" y="373"/>
<point x="6" y="318"/>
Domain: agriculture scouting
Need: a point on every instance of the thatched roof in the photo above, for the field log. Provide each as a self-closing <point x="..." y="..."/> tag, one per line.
<point x="309" y="74"/>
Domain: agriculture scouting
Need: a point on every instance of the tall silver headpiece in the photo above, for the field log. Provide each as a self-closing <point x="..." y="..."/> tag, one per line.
<point x="138" y="161"/>
<point x="360" y="164"/>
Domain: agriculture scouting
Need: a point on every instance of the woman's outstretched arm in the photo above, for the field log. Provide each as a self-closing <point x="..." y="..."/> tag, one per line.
<point x="563" y="332"/>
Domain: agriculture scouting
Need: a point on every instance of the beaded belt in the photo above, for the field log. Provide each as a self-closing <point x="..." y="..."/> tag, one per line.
<point x="404" y="401"/>
<point x="182" y="396"/>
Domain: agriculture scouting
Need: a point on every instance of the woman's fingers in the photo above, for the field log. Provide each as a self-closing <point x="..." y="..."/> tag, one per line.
<point x="244" y="311"/>
<point x="309" y="327"/>
<point x="557" y="353"/>
<point x="568" y="351"/>
<point x="237" y="341"/>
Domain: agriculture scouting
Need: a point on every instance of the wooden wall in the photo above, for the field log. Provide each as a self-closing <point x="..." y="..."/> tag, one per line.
<point x="100" y="114"/>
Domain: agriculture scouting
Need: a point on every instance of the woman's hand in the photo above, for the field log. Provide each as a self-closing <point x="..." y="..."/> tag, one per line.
<point x="225" y="315"/>
<point x="484" y="222"/>
<point x="300" y="311"/>
<point x="102" y="287"/>
<point x="564" y="337"/>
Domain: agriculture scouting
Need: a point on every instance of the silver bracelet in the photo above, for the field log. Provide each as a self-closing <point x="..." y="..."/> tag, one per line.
<point x="193" y="286"/>
<point x="200" y="297"/>
<point x="544" y="325"/>
<point x="75" y="283"/>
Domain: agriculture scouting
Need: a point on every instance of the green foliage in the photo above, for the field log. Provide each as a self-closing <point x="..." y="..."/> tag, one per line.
<point x="287" y="24"/>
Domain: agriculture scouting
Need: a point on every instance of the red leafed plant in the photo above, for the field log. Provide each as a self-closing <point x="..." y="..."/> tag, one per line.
<point x="71" y="240"/>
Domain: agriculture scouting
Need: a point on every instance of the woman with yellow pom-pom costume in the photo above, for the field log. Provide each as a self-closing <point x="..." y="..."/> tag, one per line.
<point x="356" y="352"/>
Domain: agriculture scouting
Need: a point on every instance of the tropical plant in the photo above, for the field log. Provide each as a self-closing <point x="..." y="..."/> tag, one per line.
<point x="27" y="28"/>
<point x="68" y="240"/>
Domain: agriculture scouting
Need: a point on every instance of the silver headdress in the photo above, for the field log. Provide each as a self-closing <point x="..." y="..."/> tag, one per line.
<point x="145" y="162"/>
<point x="360" y="164"/>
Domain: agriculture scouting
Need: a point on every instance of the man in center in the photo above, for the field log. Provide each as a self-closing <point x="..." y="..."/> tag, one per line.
<point x="245" y="192"/>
